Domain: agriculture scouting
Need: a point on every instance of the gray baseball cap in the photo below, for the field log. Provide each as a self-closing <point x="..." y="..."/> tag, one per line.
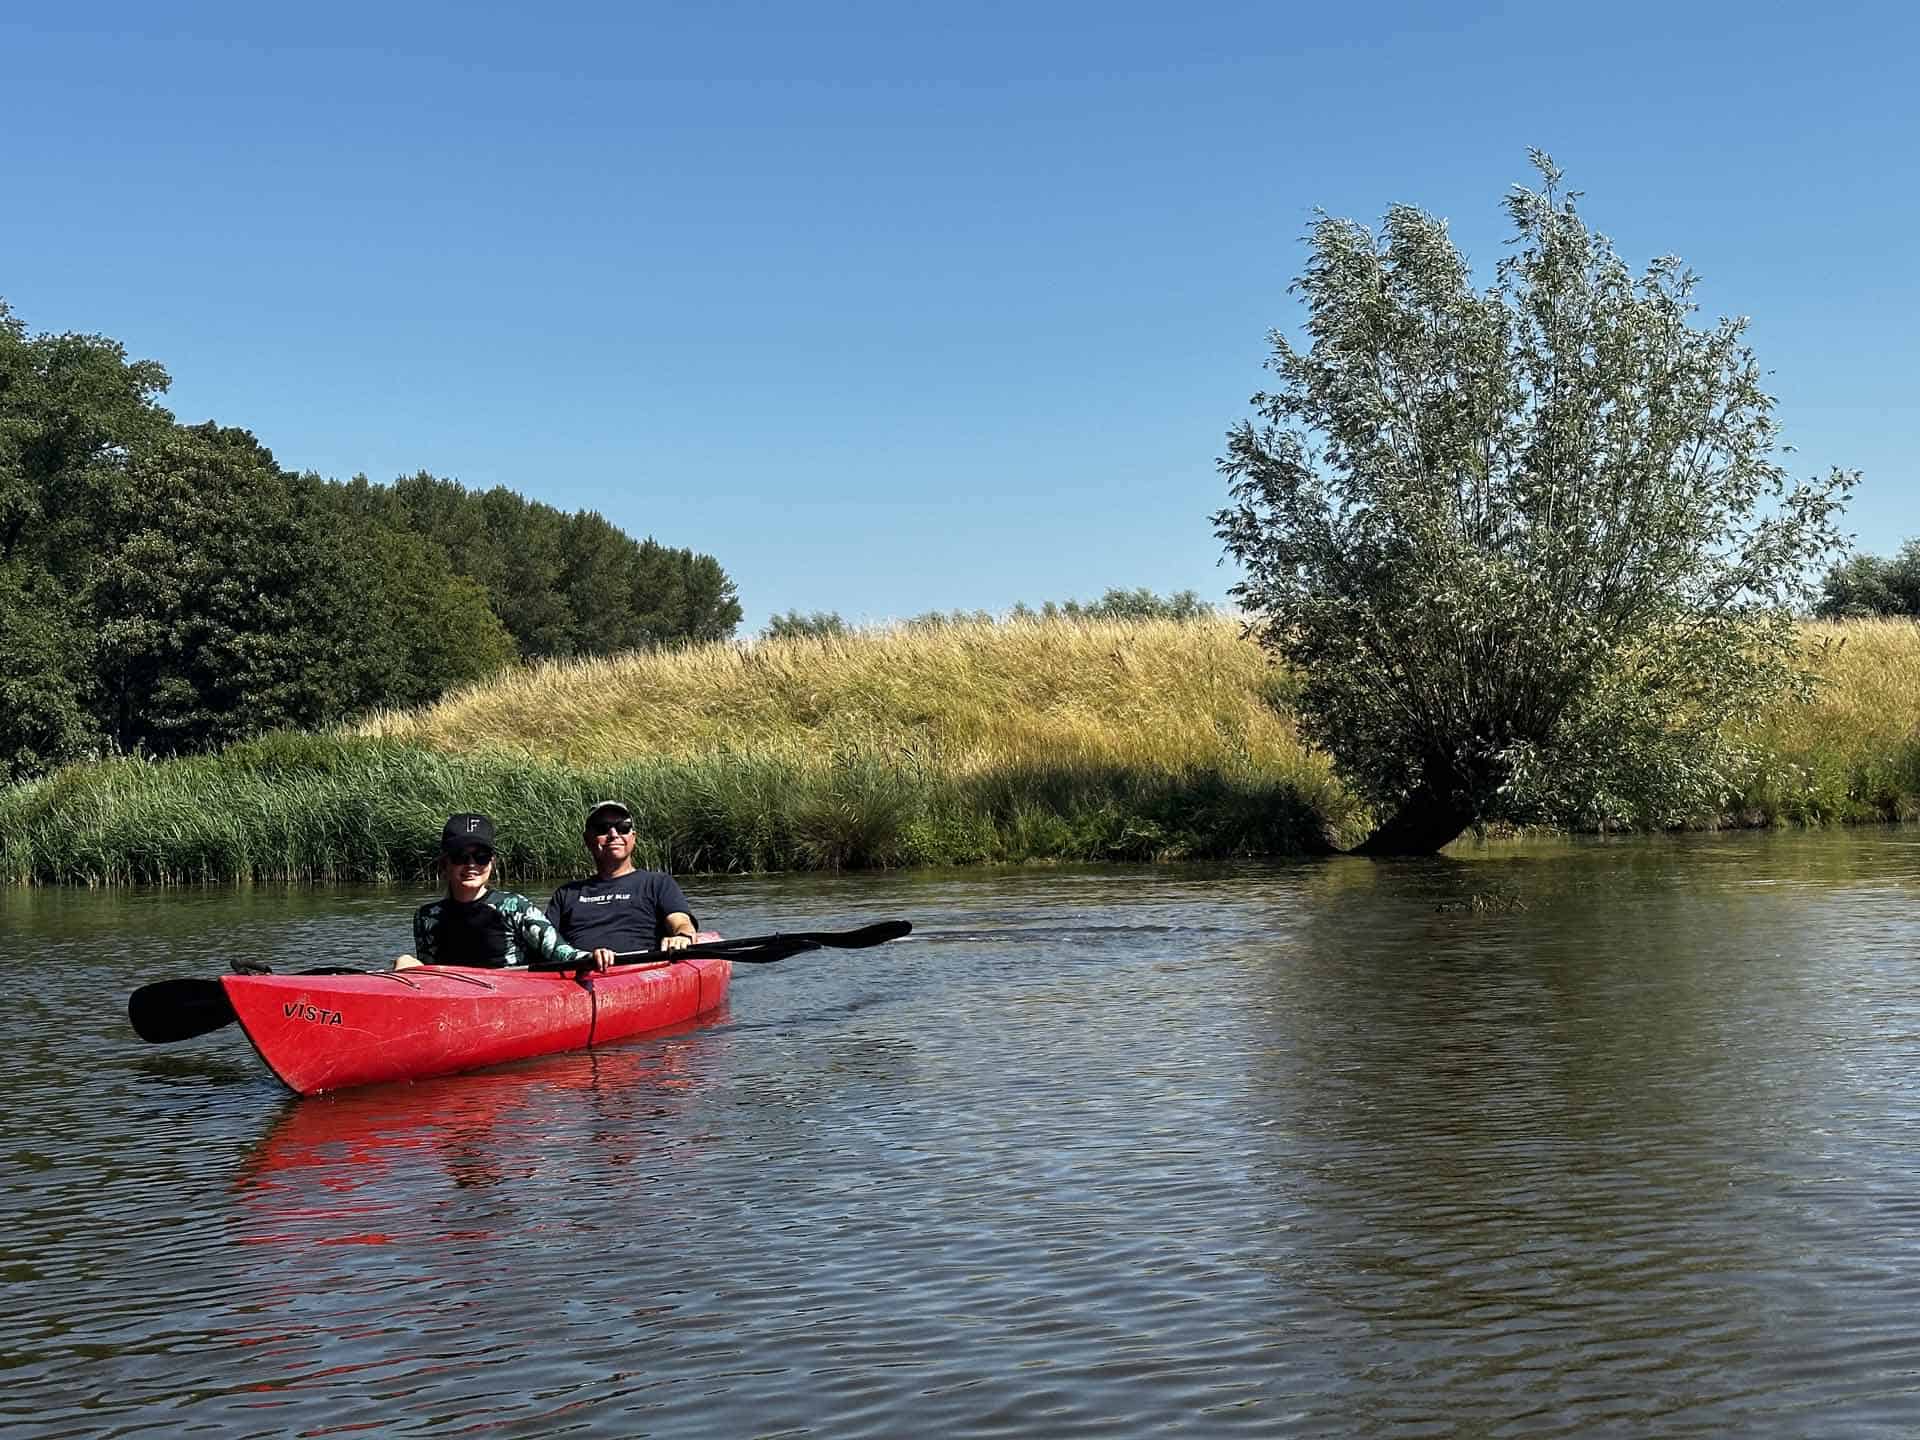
<point x="608" y="807"/>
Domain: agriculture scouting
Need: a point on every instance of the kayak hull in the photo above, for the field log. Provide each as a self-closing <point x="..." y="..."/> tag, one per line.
<point x="330" y="1032"/>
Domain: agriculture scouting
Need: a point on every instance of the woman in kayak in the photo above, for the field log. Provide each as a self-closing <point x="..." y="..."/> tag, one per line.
<point x="473" y="925"/>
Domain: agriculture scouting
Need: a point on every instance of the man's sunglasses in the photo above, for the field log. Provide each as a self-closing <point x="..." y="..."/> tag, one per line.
<point x="610" y="827"/>
<point x="473" y="857"/>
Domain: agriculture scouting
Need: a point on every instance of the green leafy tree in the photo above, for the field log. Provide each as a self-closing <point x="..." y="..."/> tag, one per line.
<point x="597" y="586"/>
<point x="530" y="541"/>
<point x="171" y="587"/>
<point x="682" y="598"/>
<point x="433" y="627"/>
<point x="1528" y="549"/>
<point x="218" y="615"/>
<point x="161" y="586"/>
<point x="562" y="584"/>
<point x="46" y="677"/>
<point x="1865" y="585"/>
<point x="709" y="601"/>
<point x="433" y="630"/>
<point x="72" y="409"/>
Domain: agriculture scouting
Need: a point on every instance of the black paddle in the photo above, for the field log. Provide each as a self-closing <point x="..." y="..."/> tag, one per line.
<point x="765" y="949"/>
<point x="170" y="1010"/>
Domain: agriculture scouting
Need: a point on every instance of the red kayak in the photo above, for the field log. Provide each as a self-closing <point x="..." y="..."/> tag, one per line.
<point x="328" y="1032"/>
<point x="332" y="1028"/>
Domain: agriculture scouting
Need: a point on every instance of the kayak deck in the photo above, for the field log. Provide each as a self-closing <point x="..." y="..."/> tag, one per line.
<point x="329" y="1032"/>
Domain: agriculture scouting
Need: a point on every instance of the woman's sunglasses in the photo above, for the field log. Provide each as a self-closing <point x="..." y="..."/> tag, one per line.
<point x="473" y="857"/>
<point x="610" y="827"/>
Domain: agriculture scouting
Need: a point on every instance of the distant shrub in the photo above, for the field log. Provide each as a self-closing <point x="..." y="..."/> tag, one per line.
<point x="820" y="625"/>
<point x="942" y="620"/>
<point x="1865" y="586"/>
<point x="1116" y="604"/>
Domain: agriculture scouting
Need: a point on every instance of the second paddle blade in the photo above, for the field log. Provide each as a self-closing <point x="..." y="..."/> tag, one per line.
<point x="170" y="1010"/>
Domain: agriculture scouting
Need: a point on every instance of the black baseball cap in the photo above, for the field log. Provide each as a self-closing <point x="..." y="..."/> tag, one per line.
<point x="464" y="830"/>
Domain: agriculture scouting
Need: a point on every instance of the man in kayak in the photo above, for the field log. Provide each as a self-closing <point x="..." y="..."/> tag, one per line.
<point x="474" y="925"/>
<point x="621" y="908"/>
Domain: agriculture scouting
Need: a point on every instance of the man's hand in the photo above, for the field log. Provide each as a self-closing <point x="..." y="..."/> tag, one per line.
<point x="676" y="942"/>
<point x="604" y="959"/>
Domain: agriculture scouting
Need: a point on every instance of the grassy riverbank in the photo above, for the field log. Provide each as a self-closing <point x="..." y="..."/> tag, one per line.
<point x="957" y="745"/>
<point x="953" y="746"/>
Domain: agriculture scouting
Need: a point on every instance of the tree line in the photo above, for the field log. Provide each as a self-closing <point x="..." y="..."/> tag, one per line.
<point x="1116" y="604"/>
<point x="171" y="588"/>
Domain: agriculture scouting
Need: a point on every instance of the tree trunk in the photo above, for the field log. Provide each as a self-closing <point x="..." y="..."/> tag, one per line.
<point x="1428" y="820"/>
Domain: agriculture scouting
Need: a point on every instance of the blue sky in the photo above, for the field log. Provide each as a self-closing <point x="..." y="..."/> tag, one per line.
<point x="894" y="308"/>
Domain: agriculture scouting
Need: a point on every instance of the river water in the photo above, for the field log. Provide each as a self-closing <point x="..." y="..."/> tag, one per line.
<point x="1585" y="1139"/>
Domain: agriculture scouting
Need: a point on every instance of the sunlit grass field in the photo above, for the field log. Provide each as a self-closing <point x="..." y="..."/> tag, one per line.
<point x="959" y="744"/>
<point x="1853" y="752"/>
<point x="956" y="699"/>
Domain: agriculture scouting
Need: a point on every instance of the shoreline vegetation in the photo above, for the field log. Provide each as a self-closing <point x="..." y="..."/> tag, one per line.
<point x="1022" y="741"/>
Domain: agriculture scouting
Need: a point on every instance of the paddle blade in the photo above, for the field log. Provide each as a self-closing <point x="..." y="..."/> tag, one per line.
<point x="170" y="1010"/>
<point x="765" y="949"/>
<point x="877" y="934"/>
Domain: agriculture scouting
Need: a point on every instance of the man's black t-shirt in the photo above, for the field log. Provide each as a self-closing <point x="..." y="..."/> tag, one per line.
<point x="628" y="912"/>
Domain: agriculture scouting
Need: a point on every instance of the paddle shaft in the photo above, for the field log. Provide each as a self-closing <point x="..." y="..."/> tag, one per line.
<point x="765" y="949"/>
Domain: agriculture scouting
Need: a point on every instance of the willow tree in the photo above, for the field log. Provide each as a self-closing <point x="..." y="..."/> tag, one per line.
<point x="1529" y="550"/>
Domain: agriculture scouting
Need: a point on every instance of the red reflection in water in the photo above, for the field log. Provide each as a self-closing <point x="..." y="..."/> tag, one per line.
<point x="345" y="1203"/>
<point x="351" y="1147"/>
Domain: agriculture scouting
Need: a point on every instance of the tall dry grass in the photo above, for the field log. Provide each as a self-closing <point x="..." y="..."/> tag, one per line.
<point x="958" y="699"/>
<point x="1153" y="698"/>
<point x="1852" y="752"/>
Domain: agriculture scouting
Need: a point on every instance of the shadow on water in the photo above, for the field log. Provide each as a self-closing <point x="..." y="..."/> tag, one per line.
<point x="198" y="1068"/>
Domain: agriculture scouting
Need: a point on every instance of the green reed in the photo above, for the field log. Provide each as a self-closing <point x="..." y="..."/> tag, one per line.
<point x="316" y="808"/>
